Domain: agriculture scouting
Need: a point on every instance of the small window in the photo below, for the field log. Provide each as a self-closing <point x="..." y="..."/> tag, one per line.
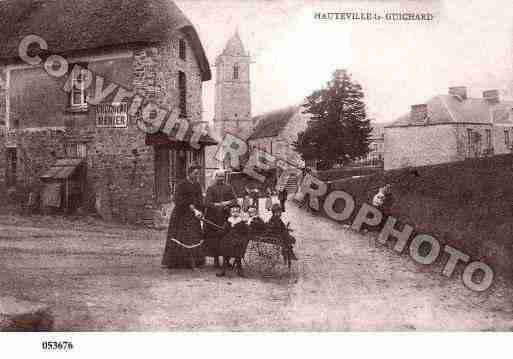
<point x="506" y="137"/>
<point x="182" y="49"/>
<point x="197" y="157"/>
<point x="236" y="72"/>
<point x="488" y="138"/>
<point x="12" y="161"/>
<point x="469" y="138"/>
<point x="76" y="150"/>
<point x="182" y="88"/>
<point x="78" y="100"/>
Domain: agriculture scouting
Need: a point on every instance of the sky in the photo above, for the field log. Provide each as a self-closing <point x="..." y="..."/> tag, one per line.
<point x="398" y="63"/>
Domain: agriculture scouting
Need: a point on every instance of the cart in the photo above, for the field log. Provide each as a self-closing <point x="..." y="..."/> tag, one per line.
<point x="266" y="250"/>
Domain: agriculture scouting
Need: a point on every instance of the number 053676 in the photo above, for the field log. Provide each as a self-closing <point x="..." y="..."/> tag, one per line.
<point x="64" y="345"/>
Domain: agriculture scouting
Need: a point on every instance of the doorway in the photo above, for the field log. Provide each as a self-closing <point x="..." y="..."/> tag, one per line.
<point x="181" y="165"/>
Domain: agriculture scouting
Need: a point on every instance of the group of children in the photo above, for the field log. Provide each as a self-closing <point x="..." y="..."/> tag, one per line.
<point x="241" y="226"/>
<point x="272" y="197"/>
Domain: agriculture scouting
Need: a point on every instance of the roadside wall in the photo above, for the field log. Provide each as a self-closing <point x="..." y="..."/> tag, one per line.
<point x="467" y="204"/>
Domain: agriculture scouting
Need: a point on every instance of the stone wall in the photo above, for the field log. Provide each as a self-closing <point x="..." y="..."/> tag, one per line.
<point x="420" y="146"/>
<point x="463" y="143"/>
<point x="281" y="146"/>
<point x="296" y="125"/>
<point x="120" y="166"/>
<point x="232" y="96"/>
<point x="429" y="145"/>
<point x="466" y="204"/>
<point x="122" y="182"/>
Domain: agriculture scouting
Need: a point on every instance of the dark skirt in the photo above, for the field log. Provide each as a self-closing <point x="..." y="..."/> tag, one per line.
<point x="184" y="240"/>
<point x="211" y="244"/>
<point x="213" y="234"/>
<point x="235" y="242"/>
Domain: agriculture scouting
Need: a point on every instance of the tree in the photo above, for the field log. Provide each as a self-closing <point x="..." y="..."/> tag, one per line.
<point x="338" y="130"/>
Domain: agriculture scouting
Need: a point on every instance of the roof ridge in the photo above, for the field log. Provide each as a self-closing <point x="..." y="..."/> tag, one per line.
<point x="447" y="108"/>
<point x="102" y="24"/>
<point x="277" y="110"/>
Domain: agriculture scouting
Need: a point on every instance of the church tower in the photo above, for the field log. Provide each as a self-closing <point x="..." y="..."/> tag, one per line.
<point x="232" y="98"/>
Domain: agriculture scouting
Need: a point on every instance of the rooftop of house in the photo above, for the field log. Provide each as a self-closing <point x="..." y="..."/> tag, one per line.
<point x="271" y="124"/>
<point x="455" y="108"/>
<point x="77" y="25"/>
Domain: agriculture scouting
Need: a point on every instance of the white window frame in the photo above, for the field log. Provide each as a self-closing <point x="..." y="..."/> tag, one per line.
<point x="77" y="86"/>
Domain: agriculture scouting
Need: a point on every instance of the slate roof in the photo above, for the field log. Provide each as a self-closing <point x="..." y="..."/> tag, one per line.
<point x="271" y="124"/>
<point x="74" y="25"/>
<point x="443" y="109"/>
<point x="234" y="46"/>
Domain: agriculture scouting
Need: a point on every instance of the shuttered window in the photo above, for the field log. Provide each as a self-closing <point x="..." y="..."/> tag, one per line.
<point x="12" y="161"/>
<point x="182" y="49"/>
<point x="182" y="89"/>
<point x="78" y="93"/>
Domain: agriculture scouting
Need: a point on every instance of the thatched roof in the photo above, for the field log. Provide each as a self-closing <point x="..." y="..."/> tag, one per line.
<point x="76" y="25"/>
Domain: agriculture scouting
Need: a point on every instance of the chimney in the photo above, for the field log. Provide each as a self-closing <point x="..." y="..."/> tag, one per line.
<point x="491" y="96"/>
<point x="419" y="113"/>
<point x="458" y="91"/>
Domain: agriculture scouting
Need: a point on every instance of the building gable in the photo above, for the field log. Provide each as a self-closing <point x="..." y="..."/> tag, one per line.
<point x="273" y="123"/>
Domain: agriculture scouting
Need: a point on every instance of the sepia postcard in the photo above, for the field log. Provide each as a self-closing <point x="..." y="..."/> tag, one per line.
<point x="255" y="166"/>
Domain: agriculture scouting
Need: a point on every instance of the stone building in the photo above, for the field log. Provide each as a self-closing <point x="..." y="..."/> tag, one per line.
<point x="277" y="130"/>
<point x="232" y="96"/>
<point x="450" y="128"/>
<point x="232" y="99"/>
<point x="131" y="54"/>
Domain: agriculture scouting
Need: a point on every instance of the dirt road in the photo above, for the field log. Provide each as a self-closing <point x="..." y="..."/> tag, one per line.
<point x="98" y="276"/>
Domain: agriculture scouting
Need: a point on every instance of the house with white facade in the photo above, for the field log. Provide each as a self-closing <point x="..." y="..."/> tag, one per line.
<point x="448" y="128"/>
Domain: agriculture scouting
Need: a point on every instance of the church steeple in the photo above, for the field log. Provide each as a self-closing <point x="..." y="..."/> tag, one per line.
<point x="233" y="101"/>
<point x="234" y="46"/>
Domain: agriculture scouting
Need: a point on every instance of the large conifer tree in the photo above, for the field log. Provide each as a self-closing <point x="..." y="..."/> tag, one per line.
<point x="338" y="131"/>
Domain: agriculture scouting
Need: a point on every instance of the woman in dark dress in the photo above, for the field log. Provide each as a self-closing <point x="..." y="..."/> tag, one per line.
<point x="184" y="237"/>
